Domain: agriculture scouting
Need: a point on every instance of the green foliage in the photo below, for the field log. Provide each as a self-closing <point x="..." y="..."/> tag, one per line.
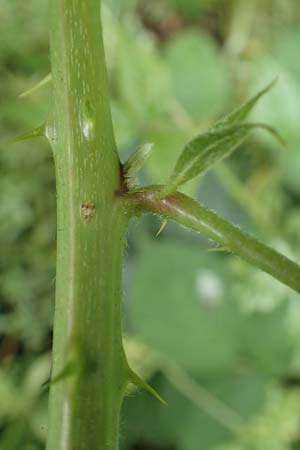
<point x="241" y="113"/>
<point x="23" y="404"/>
<point x="141" y="77"/>
<point x="281" y="106"/>
<point x="205" y="150"/>
<point x="237" y="397"/>
<point x="193" y="8"/>
<point x="168" y="144"/>
<point x="224" y="324"/>
<point x="214" y="145"/>
<point x="137" y="159"/>
<point x="192" y="276"/>
<point x="200" y="92"/>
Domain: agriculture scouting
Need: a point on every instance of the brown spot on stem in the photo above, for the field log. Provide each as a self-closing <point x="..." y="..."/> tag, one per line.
<point x="123" y="186"/>
<point x="88" y="211"/>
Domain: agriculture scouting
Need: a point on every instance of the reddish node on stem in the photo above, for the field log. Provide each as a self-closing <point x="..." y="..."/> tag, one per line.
<point x="123" y="186"/>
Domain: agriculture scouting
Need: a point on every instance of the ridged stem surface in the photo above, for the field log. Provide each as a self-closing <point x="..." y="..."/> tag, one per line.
<point x="89" y="370"/>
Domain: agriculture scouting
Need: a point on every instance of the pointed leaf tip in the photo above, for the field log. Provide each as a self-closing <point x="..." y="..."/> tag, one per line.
<point x="137" y="159"/>
<point x="135" y="379"/>
<point x="207" y="149"/>
<point x="217" y="143"/>
<point x="239" y="114"/>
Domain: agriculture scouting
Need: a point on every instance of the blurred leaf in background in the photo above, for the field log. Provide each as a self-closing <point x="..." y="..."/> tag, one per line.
<point x="202" y="93"/>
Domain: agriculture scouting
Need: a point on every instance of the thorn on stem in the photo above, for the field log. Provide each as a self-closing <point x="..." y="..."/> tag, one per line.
<point x="37" y="132"/>
<point x="136" y="380"/>
<point x="162" y="227"/>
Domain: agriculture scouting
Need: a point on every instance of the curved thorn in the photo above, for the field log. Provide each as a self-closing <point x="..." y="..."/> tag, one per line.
<point x="163" y="226"/>
<point x="135" y="379"/>
<point x="37" y="132"/>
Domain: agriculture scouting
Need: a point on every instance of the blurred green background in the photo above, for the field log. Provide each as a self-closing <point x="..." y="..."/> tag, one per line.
<point x="218" y="339"/>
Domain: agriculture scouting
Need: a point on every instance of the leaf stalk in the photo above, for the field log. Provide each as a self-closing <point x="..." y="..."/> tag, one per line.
<point x="191" y="214"/>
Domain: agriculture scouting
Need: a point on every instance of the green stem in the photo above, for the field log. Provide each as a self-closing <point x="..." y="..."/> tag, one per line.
<point x="90" y="371"/>
<point x="191" y="214"/>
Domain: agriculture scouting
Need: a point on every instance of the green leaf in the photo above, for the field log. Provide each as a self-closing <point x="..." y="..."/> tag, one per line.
<point x="137" y="159"/>
<point x="208" y="148"/>
<point x="187" y="422"/>
<point x="281" y="108"/>
<point x="198" y="298"/>
<point x="192" y="9"/>
<point x="241" y="113"/>
<point x="286" y="51"/>
<point x="199" y="409"/>
<point x="215" y="144"/>
<point x="141" y="77"/>
<point x="198" y="73"/>
<point x="271" y="339"/>
<point x="169" y="141"/>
